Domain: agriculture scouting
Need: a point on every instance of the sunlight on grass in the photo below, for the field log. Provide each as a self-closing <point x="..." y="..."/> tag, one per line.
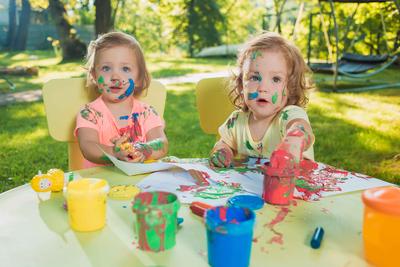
<point x="359" y="109"/>
<point x="181" y="87"/>
<point x="23" y="138"/>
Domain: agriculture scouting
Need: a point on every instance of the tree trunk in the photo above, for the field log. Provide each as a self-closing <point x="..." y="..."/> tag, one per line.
<point x="190" y="32"/>
<point x="12" y="23"/>
<point x="71" y="46"/>
<point x="103" y="22"/>
<point x="20" y="40"/>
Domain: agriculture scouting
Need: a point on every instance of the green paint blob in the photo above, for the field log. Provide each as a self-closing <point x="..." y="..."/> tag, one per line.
<point x="274" y="97"/>
<point x="217" y="191"/>
<point x="100" y="80"/>
<point x="285" y="115"/>
<point x="156" y="144"/>
<point x="255" y="54"/>
<point x="248" y="145"/>
<point x="156" y="220"/>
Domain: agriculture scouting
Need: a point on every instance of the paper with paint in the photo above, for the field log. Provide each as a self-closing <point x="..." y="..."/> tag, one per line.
<point x="131" y="168"/>
<point x="187" y="188"/>
<point x="316" y="180"/>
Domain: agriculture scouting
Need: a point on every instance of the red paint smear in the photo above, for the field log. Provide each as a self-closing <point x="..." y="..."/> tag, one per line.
<point x="314" y="182"/>
<point x="277" y="239"/>
<point x="279" y="217"/>
<point x="222" y="214"/>
<point x="185" y="188"/>
<point x="199" y="177"/>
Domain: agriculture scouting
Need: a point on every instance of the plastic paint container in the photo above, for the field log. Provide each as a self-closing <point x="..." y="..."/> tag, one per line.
<point x="229" y="236"/>
<point x="86" y="200"/>
<point x="381" y="229"/>
<point x="278" y="189"/>
<point x="246" y="201"/>
<point x="156" y="220"/>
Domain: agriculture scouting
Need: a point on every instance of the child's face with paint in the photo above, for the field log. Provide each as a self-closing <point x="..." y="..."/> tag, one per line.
<point x="115" y="73"/>
<point x="264" y="82"/>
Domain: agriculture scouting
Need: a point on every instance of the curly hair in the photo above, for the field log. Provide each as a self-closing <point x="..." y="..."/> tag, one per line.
<point x="110" y="40"/>
<point x="297" y="84"/>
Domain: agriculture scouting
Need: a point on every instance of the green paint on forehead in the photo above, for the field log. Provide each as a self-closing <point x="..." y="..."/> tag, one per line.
<point x="255" y="54"/>
<point x="275" y="97"/>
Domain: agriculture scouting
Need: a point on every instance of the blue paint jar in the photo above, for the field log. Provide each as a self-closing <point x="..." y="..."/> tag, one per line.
<point x="229" y="236"/>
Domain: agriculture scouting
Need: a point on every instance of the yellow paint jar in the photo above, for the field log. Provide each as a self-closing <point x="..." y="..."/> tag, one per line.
<point x="86" y="201"/>
<point x="381" y="229"/>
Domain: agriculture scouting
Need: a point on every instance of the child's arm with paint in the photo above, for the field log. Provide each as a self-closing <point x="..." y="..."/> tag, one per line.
<point x="298" y="138"/>
<point x="224" y="150"/>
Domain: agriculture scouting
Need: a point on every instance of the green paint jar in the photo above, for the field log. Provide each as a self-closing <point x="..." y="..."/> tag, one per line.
<point x="156" y="220"/>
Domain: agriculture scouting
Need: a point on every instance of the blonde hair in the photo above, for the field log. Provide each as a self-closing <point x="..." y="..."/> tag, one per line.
<point x="297" y="82"/>
<point x="113" y="39"/>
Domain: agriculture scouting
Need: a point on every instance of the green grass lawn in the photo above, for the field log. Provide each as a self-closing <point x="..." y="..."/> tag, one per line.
<point x="358" y="132"/>
<point x="50" y="67"/>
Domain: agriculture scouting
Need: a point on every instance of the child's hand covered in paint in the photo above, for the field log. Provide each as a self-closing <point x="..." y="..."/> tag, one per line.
<point x="123" y="149"/>
<point x="144" y="151"/>
<point x="221" y="158"/>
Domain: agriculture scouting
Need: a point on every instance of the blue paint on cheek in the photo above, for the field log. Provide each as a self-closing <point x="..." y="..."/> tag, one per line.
<point x="252" y="96"/>
<point x="128" y="91"/>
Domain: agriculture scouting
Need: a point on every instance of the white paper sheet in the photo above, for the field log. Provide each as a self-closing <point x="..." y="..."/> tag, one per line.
<point x="130" y="168"/>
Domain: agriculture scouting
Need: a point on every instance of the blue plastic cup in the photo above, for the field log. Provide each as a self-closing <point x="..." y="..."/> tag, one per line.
<point x="229" y="236"/>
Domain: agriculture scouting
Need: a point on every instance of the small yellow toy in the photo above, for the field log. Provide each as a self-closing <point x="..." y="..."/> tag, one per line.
<point x="53" y="181"/>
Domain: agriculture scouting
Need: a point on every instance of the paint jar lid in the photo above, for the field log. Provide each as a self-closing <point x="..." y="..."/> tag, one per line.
<point x="246" y="201"/>
<point x="88" y="185"/>
<point x="384" y="199"/>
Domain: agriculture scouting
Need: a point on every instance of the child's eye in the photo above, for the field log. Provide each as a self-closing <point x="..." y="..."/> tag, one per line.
<point x="126" y="69"/>
<point x="276" y="79"/>
<point x="105" y="68"/>
<point x="255" y="78"/>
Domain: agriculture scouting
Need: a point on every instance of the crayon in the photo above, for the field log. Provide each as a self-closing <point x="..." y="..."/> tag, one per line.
<point x="199" y="208"/>
<point x="180" y="220"/>
<point x="317" y="237"/>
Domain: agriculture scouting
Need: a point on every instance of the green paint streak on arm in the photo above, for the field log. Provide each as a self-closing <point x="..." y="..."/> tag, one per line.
<point x="105" y="158"/>
<point x="156" y="144"/>
<point x="275" y="97"/>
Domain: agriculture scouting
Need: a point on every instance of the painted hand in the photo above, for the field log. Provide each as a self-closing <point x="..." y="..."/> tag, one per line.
<point x="123" y="149"/>
<point x="221" y="158"/>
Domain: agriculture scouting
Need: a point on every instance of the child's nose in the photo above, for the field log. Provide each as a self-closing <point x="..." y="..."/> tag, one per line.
<point x="262" y="87"/>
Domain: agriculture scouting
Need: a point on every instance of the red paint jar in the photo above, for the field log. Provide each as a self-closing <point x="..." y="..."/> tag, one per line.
<point x="279" y="185"/>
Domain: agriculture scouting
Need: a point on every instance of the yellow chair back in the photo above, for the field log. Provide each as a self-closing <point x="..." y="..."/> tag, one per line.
<point x="63" y="98"/>
<point x="213" y="104"/>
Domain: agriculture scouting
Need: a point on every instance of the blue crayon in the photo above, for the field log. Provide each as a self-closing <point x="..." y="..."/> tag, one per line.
<point x="180" y="220"/>
<point x="317" y="237"/>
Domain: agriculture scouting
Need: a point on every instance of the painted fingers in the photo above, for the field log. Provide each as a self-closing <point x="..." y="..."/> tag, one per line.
<point x="221" y="158"/>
